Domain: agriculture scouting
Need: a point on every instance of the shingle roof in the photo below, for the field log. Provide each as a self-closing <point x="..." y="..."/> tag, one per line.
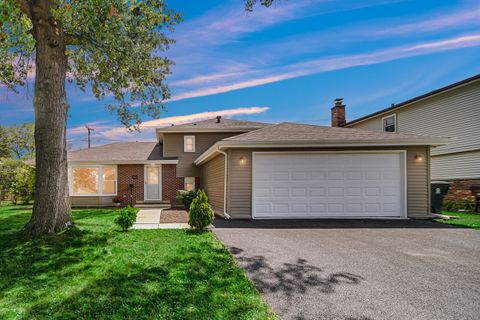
<point x="212" y="124"/>
<point x="305" y="133"/>
<point x="121" y="151"/>
<point x="294" y="135"/>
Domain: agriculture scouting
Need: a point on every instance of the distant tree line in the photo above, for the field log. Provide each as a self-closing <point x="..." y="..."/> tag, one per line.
<point x="17" y="151"/>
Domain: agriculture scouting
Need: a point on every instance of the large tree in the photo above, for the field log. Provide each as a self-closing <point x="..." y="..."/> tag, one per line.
<point x="111" y="47"/>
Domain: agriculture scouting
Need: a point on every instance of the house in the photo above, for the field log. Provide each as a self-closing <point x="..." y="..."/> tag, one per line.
<point x="452" y="111"/>
<point x="259" y="170"/>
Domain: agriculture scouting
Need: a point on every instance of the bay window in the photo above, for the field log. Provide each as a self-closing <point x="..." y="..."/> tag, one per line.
<point x="94" y="180"/>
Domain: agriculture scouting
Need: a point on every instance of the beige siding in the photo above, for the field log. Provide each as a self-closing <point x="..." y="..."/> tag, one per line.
<point x="173" y="147"/>
<point x="418" y="183"/>
<point x="239" y="192"/>
<point x="455" y="115"/>
<point x="212" y="177"/>
<point x="92" y="201"/>
<point x="465" y="165"/>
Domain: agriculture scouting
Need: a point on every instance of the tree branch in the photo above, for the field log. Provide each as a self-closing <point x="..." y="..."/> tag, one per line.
<point x="24" y="6"/>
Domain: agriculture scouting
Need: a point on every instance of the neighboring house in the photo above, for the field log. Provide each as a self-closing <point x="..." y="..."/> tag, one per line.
<point x="258" y="170"/>
<point x="452" y="111"/>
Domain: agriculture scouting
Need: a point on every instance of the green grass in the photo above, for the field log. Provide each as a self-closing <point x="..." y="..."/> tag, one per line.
<point x="470" y="220"/>
<point x="93" y="271"/>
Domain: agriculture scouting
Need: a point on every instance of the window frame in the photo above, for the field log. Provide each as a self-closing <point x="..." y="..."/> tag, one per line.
<point x="99" y="182"/>
<point x="192" y="181"/>
<point x="394" y="115"/>
<point x="185" y="144"/>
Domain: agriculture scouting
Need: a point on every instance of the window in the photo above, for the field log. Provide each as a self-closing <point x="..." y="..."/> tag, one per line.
<point x="189" y="143"/>
<point x="109" y="182"/>
<point x="390" y="123"/>
<point x="93" y="180"/>
<point x="85" y="181"/>
<point x="189" y="183"/>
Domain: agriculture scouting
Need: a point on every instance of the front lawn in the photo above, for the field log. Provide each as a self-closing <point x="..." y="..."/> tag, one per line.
<point x="95" y="272"/>
<point x="470" y="220"/>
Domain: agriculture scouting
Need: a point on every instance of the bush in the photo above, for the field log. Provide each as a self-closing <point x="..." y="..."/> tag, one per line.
<point x="23" y="187"/>
<point x="126" y="218"/>
<point x="459" y="205"/>
<point x="201" y="212"/>
<point x="185" y="198"/>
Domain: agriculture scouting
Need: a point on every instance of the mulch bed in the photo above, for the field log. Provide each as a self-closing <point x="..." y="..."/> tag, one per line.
<point x="174" y="216"/>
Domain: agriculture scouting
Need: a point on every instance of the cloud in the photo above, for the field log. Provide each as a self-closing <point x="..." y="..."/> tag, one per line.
<point x="470" y="15"/>
<point x="107" y="133"/>
<point x="329" y="64"/>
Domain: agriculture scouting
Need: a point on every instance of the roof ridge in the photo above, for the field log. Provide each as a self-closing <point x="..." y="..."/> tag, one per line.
<point x="256" y="130"/>
<point x="112" y="143"/>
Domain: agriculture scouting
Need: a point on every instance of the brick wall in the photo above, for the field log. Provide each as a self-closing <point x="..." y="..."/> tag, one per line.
<point x="134" y="174"/>
<point x="131" y="174"/>
<point x="170" y="183"/>
<point x="460" y="190"/>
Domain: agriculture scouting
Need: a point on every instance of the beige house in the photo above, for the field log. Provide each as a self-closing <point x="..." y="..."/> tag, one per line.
<point x="264" y="171"/>
<point x="452" y="111"/>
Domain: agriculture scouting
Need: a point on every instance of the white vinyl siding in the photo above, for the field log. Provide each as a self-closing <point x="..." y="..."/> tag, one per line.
<point x="455" y="115"/>
<point x="456" y="166"/>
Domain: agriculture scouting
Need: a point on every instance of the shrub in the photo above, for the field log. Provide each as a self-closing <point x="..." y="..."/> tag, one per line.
<point x="459" y="205"/>
<point x="23" y="187"/>
<point x="126" y="218"/>
<point x="201" y="212"/>
<point x="185" y="198"/>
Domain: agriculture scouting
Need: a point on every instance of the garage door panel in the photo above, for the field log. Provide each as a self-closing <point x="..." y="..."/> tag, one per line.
<point x="328" y="185"/>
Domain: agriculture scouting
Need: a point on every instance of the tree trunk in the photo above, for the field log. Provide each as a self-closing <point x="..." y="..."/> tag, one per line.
<point x="51" y="209"/>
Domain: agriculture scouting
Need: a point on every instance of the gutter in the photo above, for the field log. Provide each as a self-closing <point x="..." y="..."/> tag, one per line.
<point x="314" y="144"/>
<point x="225" y="214"/>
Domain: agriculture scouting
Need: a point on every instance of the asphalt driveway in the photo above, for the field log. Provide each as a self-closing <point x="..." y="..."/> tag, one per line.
<point x="361" y="270"/>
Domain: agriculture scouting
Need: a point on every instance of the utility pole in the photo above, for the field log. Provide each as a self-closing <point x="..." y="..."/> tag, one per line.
<point x="89" y="129"/>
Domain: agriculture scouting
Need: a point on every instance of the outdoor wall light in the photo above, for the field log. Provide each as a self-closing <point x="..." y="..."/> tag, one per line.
<point x="242" y="160"/>
<point x="418" y="157"/>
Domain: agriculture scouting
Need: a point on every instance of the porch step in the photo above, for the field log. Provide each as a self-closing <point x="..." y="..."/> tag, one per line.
<point x="153" y="204"/>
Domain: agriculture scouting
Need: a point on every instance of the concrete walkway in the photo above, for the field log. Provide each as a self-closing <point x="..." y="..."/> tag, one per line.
<point x="150" y="219"/>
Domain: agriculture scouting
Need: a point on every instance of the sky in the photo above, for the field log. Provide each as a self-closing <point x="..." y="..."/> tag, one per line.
<point x="289" y="62"/>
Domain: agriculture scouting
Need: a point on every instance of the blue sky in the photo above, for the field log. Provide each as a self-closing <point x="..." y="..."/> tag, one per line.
<point x="288" y="62"/>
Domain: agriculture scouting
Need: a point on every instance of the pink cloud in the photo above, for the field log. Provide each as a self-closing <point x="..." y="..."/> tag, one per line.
<point x="147" y="132"/>
<point x="329" y="64"/>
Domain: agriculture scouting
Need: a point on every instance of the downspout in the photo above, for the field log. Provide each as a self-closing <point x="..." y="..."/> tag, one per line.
<point x="225" y="214"/>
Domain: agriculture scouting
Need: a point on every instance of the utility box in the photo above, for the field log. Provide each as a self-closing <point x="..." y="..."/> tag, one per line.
<point x="438" y="190"/>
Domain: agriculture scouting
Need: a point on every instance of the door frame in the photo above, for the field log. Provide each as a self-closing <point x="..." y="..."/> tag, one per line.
<point x="145" y="177"/>
<point x="402" y="153"/>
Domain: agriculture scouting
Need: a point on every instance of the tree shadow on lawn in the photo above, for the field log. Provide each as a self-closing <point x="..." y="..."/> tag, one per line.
<point x="23" y="259"/>
<point x="189" y="284"/>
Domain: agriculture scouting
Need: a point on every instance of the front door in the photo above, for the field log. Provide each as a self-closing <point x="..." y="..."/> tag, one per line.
<point x="153" y="182"/>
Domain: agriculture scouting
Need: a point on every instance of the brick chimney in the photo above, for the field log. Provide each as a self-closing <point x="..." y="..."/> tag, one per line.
<point x="219" y="118"/>
<point x="338" y="113"/>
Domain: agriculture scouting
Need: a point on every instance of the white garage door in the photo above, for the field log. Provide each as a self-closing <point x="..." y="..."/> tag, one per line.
<point x="328" y="185"/>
